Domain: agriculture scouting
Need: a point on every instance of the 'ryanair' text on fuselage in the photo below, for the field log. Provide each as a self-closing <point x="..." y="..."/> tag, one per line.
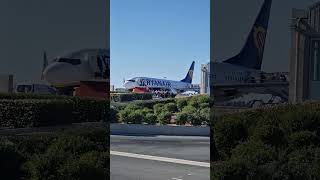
<point x="151" y="82"/>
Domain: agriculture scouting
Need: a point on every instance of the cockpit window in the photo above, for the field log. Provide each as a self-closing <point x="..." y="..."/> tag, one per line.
<point x="132" y="80"/>
<point x="69" y="60"/>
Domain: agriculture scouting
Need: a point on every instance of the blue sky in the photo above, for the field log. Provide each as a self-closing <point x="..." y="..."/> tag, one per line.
<point x="158" y="38"/>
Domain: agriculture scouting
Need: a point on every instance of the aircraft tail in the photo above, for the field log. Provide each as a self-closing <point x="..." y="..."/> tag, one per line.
<point x="45" y="63"/>
<point x="188" y="78"/>
<point x="252" y="53"/>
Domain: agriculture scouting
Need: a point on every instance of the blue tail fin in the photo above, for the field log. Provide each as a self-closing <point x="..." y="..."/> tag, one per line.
<point x="188" y="78"/>
<point x="252" y="53"/>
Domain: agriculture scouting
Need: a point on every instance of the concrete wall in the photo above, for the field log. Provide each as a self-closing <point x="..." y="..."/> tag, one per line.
<point x="149" y="130"/>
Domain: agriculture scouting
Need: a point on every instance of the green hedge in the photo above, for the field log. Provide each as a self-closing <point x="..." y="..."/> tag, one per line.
<point x="46" y="112"/>
<point x="142" y="103"/>
<point x="124" y="97"/>
<point x="191" y="110"/>
<point x="72" y="154"/>
<point x="14" y="96"/>
<point x="270" y="143"/>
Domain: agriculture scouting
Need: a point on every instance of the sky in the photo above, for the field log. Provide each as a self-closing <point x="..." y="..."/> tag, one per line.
<point x="158" y="38"/>
<point x="232" y="24"/>
<point x="58" y="26"/>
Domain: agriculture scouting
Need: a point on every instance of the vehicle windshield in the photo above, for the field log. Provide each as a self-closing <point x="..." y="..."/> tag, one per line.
<point x="69" y="60"/>
<point x="24" y="88"/>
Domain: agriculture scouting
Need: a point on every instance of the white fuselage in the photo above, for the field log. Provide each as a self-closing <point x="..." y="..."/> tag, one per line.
<point x="154" y="83"/>
<point x="229" y="74"/>
<point x="70" y="69"/>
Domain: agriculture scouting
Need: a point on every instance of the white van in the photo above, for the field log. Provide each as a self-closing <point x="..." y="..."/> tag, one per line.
<point x="41" y="89"/>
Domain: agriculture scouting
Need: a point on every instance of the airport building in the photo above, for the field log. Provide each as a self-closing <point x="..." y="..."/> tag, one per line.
<point x="6" y="83"/>
<point x="205" y="80"/>
<point x="305" y="55"/>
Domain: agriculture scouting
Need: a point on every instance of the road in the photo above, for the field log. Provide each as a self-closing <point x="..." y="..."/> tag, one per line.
<point x="159" y="158"/>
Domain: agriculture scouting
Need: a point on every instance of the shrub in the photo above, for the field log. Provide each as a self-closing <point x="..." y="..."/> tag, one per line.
<point x="203" y="99"/>
<point x="91" y="165"/>
<point x="69" y="157"/>
<point x="68" y="154"/>
<point x="123" y="97"/>
<point x="47" y="112"/>
<point x="189" y="109"/>
<point x="228" y="133"/>
<point x="196" y="118"/>
<point x="151" y="118"/>
<point x="124" y="114"/>
<point x="204" y="105"/>
<point x="10" y="161"/>
<point x="194" y="102"/>
<point x="16" y="96"/>
<point x="182" y="118"/>
<point x="132" y="107"/>
<point x="151" y="103"/>
<point x="146" y="111"/>
<point x="253" y="152"/>
<point x="248" y="161"/>
<point x="170" y="107"/>
<point x="30" y="113"/>
<point x="113" y="115"/>
<point x="205" y="114"/>
<point x="135" y="117"/>
<point x="164" y="117"/>
<point x="304" y="163"/>
<point x="269" y="143"/>
<point x="181" y="103"/>
<point x="90" y="110"/>
<point x="303" y="139"/>
<point x="229" y="170"/>
<point x="158" y="108"/>
<point x="271" y="135"/>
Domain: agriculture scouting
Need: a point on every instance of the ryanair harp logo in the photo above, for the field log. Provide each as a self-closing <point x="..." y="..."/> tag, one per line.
<point x="190" y="73"/>
<point x="259" y="38"/>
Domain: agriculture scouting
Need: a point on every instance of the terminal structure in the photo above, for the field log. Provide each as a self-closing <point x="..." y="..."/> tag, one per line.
<point x="205" y="80"/>
<point x="305" y="55"/>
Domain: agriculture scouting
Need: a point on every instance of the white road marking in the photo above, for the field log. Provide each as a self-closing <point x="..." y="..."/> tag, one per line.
<point x="163" y="159"/>
<point x="176" y="179"/>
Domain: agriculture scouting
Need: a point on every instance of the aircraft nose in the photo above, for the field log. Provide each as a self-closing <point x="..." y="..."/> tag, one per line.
<point x="52" y="73"/>
<point x="128" y="85"/>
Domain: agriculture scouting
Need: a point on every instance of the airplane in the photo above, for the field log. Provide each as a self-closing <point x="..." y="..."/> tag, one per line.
<point x="145" y="84"/>
<point x="65" y="72"/>
<point x="245" y="67"/>
<point x="242" y="73"/>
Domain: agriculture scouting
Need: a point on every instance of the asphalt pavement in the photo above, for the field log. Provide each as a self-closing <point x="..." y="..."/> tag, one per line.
<point x="159" y="158"/>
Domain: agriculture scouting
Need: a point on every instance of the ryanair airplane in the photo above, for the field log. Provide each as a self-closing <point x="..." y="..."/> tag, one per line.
<point x="245" y="66"/>
<point x="144" y="84"/>
<point x="65" y="72"/>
